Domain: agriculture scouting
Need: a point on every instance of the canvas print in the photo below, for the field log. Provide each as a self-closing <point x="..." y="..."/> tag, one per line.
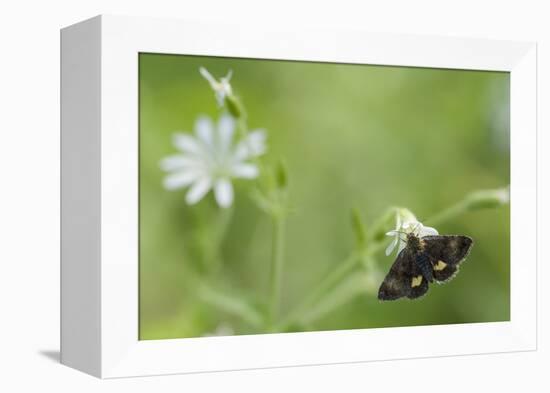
<point x="284" y="196"/>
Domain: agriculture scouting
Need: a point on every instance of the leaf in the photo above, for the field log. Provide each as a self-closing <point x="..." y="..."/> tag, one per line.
<point x="358" y="228"/>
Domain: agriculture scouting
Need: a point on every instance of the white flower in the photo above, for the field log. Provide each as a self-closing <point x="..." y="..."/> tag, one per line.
<point x="209" y="160"/>
<point x="489" y="198"/>
<point x="405" y="223"/>
<point x="222" y="329"/>
<point x="503" y="195"/>
<point x="222" y="88"/>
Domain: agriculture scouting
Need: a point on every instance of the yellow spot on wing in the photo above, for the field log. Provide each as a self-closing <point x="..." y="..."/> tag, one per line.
<point x="440" y="265"/>
<point x="422" y="244"/>
<point x="416" y="281"/>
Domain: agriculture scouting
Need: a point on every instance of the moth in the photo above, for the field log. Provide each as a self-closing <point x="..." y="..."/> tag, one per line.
<point x="423" y="261"/>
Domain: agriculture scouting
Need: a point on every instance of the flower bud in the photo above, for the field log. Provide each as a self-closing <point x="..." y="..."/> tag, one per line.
<point x="234" y="106"/>
<point x="281" y="177"/>
<point x="488" y="198"/>
<point x="405" y="215"/>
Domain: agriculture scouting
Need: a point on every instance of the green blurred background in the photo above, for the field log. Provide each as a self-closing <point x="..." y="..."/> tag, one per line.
<point x="351" y="136"/>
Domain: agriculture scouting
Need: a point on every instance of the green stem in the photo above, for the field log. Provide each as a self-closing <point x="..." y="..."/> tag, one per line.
<point x="449" y="213"/>
<point x="318" y="303"/>
<point x="347" y="290"/>
<point x="277" y="250"/>
<point x="333" y="278"/>
<point x="224" y="217"/>
<point x="378" y="229"/>
<point x="343" y="270"/>
<point x="211" y="233"/>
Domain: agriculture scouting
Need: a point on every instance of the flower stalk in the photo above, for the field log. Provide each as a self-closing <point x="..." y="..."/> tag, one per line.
<point x="362" y="260"/>
<point x="482" y="199"/>
<point x="277" y="260"/>
<point x="344" y="269"/>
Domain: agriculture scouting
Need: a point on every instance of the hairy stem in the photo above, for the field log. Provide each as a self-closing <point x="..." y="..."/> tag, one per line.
<point x="332" y="279"/>
<point x="223" y="219"/>
<point x="342" y="272"/>
<point x="277" y="251"/>
<point x="448" y="213"/>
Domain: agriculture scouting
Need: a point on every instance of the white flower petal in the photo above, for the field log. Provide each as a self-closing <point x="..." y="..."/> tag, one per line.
<point x="208" y="76"/>
<point x="220" y="97"/>
<point x="391" y="246"/>
<point x="246" y="171"/>
<point x="176" y="162"/>
<point x="503" y="195"/>
<point x="225" y="87"/>
<point x="222" y="88"/>
<point x="204" y="130"/>
<point x="187" y="143"/>
<point x="226" y="128"/>
<point x="223" y="191"/>
<point x="252" y="145"/>
<point x="256" y="142"/>
<point x="406" y="223"/>
<point x="208" y="153"/>
<point x="180" y="179"/>
<point x="407" y="216"/>
<point x="409" y="226"/>
<point x="402" y="245"/>
<point x="198" y="190"/>
<point x="427" y="231"/>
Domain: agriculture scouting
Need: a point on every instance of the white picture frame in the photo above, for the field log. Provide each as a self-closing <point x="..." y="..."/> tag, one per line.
<point x="99" y="251"/>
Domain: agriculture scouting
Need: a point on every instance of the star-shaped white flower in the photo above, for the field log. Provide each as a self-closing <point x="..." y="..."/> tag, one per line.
<point x="405" y="223"/>
<point x="222" y="88"/>
<point x="209" y="160"/>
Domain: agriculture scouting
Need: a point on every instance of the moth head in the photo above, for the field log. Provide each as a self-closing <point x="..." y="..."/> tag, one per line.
<point x="413" y="240"/>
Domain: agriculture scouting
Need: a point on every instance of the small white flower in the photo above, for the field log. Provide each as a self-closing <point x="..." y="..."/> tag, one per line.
<point x="405" y="223"/>
<point x="223" y="329"/>
<point x="222" y="88"/>
<point x="503" y="195"/>
<point x="209" y="160"/>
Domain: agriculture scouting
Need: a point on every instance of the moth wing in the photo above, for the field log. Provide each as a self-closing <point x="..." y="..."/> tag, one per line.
<point x="445" y="274"/>
<point x="446" y="252"/>
<point x="403" y="280"/>
<point x="418" y="283"/>
<point x="396" y="282"/>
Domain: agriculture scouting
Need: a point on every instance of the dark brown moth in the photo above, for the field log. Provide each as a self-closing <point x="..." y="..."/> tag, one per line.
<point x="422" y="261"/>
